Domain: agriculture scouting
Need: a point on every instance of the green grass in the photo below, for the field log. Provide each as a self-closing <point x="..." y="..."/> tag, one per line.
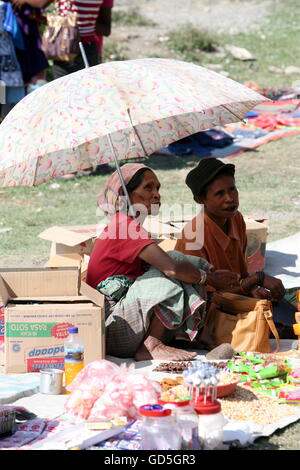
<point x="276" y="43"/>
<point x="114" y="51"/>
<point x="130" y="17"/>
<point x="190" y="42"/>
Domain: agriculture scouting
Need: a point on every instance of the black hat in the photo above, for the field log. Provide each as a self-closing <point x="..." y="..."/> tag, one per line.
<point x="205" y="172"/>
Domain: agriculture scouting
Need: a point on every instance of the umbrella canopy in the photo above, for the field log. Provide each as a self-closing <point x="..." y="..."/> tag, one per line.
<point x="122" y="110"/>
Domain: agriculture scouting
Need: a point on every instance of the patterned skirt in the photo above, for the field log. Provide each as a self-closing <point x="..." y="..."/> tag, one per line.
<point x="180" y="307"/>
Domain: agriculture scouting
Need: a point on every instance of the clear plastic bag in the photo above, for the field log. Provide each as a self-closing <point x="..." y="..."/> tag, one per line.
<point x="104" y="390"/>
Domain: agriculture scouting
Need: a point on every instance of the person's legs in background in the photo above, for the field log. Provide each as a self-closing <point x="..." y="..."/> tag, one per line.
<point x="62" y="68"/>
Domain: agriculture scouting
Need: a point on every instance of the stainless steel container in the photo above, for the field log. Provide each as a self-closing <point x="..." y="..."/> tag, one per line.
<point x="51" y="381"/>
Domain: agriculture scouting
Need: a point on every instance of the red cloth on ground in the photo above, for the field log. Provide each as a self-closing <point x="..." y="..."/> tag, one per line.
<point x="116" y="250"/>
<point x="271" y="122"/>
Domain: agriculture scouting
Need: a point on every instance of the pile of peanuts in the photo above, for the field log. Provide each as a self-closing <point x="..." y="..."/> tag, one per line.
<point x="245" y="404"/>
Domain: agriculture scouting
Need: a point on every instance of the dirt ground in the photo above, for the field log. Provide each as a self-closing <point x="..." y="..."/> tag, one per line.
<point x="212" y="15"/>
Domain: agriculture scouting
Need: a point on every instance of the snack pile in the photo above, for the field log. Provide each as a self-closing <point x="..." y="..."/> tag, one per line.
<point x="172" y="367"/>
<point x="200" y="377"/>
<point x="275" y="375"/>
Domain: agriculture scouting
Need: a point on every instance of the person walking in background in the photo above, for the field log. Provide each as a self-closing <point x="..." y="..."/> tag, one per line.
<point x="31" y="58"/>
<point x="92" y="22"/>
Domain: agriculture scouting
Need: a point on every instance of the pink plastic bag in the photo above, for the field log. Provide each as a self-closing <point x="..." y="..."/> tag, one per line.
<point x="104" y="390"/>
<point x="123" y="395"/>
<point x="88" y="386"/>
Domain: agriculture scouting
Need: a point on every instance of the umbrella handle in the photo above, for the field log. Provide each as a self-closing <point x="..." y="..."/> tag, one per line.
<point x="83" y="54"/>
<point x="130" y="211"/>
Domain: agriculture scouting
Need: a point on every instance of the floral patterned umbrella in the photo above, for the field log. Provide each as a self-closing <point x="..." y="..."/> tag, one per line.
<point x="114" y="111"/>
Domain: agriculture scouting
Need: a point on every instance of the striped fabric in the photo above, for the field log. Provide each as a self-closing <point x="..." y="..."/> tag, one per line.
<point x="180" y="307"/>
<point x="87" y="10"/>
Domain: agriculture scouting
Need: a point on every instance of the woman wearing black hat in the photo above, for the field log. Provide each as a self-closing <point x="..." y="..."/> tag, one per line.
<point x="225" y="240"/>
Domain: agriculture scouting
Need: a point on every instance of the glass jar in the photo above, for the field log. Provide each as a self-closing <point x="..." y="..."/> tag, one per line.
<point x="159" y="431"/>
<point x="211" y="423"/>
<point x="188" y="421"/>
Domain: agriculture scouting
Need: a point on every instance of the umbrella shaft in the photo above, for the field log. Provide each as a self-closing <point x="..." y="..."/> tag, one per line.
<point x="83" y="54"/>
<point x="130" y="211"/>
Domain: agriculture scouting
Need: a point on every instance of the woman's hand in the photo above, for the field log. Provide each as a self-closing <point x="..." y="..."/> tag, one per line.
<point x="260" y="293"/>
<point x="275" y="287"/>
<point x="223" y="279"/>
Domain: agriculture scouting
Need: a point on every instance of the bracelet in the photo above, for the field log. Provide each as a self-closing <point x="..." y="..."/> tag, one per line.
<point x="203" y="278"/>
<point x="261" y="278"/>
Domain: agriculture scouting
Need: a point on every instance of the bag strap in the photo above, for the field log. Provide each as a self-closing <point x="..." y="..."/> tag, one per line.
<point x="269" y="319"/>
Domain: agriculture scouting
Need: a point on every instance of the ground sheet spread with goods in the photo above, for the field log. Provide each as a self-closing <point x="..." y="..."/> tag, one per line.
<point x="217" y="404"/>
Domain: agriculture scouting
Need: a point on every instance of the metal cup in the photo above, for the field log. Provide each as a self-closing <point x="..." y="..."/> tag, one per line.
<point x="51" y="381"/>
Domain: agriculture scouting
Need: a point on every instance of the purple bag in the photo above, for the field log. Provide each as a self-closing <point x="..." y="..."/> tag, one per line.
<point x="60" y="40"/>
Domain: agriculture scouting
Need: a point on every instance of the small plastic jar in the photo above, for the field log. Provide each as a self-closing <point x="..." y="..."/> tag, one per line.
<point x="159" y="431"/>
<point x="211" y="423"/>
<point x="187" y="418"/>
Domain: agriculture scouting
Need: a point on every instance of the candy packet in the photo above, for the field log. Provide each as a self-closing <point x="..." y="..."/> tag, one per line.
<point x="269" y="387"/>
<point x="268" y="371"/>
<point x="259" y="366"/>
<point x="289" y="394"/>
<point x="294" y="377"/>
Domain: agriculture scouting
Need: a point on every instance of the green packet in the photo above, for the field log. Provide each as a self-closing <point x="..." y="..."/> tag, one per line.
<point x="239" y="367"/>
<point x="271" y="392"/>
<point x="270" y="387"/>
<point x="268" y="372"/>
<point x="264" y="384"/>
<point x="251" y="357"/>
<point x="255" y="371"/>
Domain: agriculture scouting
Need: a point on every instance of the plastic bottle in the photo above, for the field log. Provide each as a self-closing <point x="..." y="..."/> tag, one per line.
<point x="159" y="431"/>
<point x="211" y="423"/>
<point x="188" y="421"/>
<point x="74" y="355"/>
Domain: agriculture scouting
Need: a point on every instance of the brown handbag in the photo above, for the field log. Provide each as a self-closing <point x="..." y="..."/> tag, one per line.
<point x="243" y="322"/>
<point x="60" y="40"/>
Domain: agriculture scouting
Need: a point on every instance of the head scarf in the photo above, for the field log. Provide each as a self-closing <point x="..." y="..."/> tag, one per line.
<point x="108" y="199"/>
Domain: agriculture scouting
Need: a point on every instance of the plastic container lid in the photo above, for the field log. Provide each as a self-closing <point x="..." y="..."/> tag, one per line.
<point x="175" y="403"/>
<point x="73" y="329"/>
<point x="154" y="411"/>
<point x="208" y="408"/>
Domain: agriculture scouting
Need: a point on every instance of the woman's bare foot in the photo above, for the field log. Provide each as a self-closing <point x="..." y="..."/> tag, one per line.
<point x="153" y="348"/>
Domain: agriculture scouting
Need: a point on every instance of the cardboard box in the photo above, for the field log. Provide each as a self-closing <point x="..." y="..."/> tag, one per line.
<point x="72" y="239"/>
<point x="73" y="245"/>
<point x="38" y="306"/>
<point x="257" y="233"/>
